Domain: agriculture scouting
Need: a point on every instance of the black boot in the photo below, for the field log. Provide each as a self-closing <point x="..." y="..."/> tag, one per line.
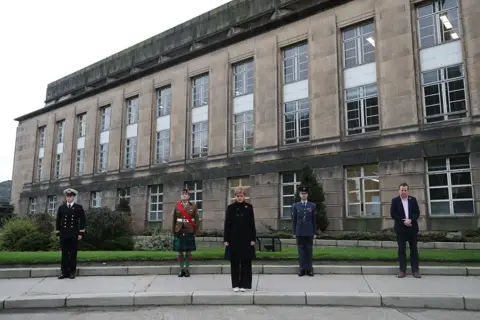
<point x="181" y="273"/>
<point x="62" y="276"/>
<point x="301" y="273"/>
<point x="187" y="273"/>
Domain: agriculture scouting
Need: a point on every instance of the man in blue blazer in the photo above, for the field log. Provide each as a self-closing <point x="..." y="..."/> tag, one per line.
<point x="304" y="227"/>
<point x="405" y="211"/>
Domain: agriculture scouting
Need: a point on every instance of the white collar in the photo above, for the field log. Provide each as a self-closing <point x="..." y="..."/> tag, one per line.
<point x="70" y="204"/>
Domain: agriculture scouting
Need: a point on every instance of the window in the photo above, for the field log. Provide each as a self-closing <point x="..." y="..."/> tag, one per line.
<point x="200" y="139"/>
<point x="238" y="182"/>
<point x="164" y="101"/>
<point x="41" y="136"/>
<point x="58" y="166"/>
<point x="438" y="22"/>
<point x="297" y="121"/>
<point x="123" y="193"/>
<point x="32" y="205"/>
<point x="96" y="199"/>
<point x="60" y="131"/>
<point x="358" y="45"/>
<point x="290" y="183"/>
<point x="200" y="91"/>
<point x="163" y="146"/>
<point x="103" y="157"/>
<point x="450" y="189"/>
<point x="52" y="205"/>
<point x="155" y="209"/>
<point x="82" y="125"/>
<point x="132" y="110"/>
<point x="105" y="118"/>
<point x="243" y="131"/>
<point x="295" y="63"/>
<point x="444" y="94"/>
<point x="243" y="78"/>
<point x="362" y="109"/>
<point x="40" y="169"/>
<point x="80" y="162"/>
<point x="196" y="195"/>
<point x="363" y="191"/>
<point x="131" y="153"/>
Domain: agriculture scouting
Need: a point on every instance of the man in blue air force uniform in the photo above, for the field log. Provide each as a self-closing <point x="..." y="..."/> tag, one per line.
<point x="304" y="227"/>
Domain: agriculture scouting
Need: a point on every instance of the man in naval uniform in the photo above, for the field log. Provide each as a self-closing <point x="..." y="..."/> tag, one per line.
<point x="70" y="227"/>
<point x="304" y="227"/>
<point x="185" y="224"/>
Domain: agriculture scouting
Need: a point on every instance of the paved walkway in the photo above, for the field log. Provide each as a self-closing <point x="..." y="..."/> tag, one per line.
<point x="449" y="292"/>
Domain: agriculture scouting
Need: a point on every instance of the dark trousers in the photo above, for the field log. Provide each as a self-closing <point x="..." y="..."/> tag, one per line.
<point x="241" y="272"/>
<point x="305" y="252"/>
<point x="409" y="235"/>
<point x="69" y="247"/>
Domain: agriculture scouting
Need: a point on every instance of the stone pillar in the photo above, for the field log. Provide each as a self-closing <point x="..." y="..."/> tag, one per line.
<point x="91" y="139"/>
<point x="332" y="181"/>
<point x="138" y="204"/>
<point x="264" y="196"/>
<point x="50" y="146"/>
<point x="395" y="64"/>
<point x="144" y="143"/>
<point x="218" y="134"/>
<point x="475" y="165"/>
<point x="323" y="78"/>
<point x="470" y="11"/>
<point x="117" y="130"/>
<point x="69" y="141"/>
<point x="266" y="88"/>
<point x="178" y="116"/>
<point x="214" y="204"/>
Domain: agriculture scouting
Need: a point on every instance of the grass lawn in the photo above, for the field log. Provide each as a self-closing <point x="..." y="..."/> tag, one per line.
<point x="216" y="253"/>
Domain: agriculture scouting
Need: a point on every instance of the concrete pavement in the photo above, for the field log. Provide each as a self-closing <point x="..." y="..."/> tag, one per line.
<point x="443" y="292"/>
<point x="238" y="313"/>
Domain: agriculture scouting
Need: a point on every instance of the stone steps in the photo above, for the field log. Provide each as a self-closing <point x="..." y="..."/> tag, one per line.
<point x="9" y="273"/>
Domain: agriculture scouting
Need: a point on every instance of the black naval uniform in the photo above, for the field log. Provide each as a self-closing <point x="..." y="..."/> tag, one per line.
<point x="70" y="224"/>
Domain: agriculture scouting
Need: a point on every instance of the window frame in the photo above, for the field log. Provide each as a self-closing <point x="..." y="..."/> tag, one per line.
<point x="133" y="111"/>
<point x="437" y="12"/>
<point x="32" y="205"/>
<point x="231" y="189"/>
<point x="52" y="205"/>
<point x="60" y="131"/>
<point x="162" y="147"/>
<point x="296" y="183"/>
<point x="40" y="171"/>
<point x="204" y="131"/>
<point x="164" y="95"/>
<point x="298" y="138"/>
<point x="159" y="193"/>
<point x="130" y="158"/>
<point x="81" y="125"/>
<point x="297" y="71"/>
<point x="96" y="199"/>
<point x="361" y="182"/>
<point x="444" y="92"/>
<point x="194" y="192"/>
<point x="204" y="93"/>
<point x="42" y="137"/>
<point x="58" y="166"/>
<point x="105" y="118"/>
<point x="102" y="165"/>
<point x="364" y="128"/>
<point x="448" y="171"/>
<point x="241" y="80"/>
<point x="80" y="162"/>
<point x="359" y="46"/>
<point x="243" y="124"/>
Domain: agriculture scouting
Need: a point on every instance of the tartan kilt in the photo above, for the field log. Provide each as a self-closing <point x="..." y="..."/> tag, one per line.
<point x="184" y="242"/>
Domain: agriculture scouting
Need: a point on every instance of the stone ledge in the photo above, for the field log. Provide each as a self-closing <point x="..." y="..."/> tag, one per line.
<point x="431" y="301"/>
<point x="353" y="299"/>
<point x="225" y="269"/>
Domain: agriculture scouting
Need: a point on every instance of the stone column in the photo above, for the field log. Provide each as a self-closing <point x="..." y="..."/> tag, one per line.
<point x="323" y="78"/>
<point x="50" y="148"/>
<point x="144" y="143"/>
<point x="178" y="116"/>
<point x="332" y="181"/>
<point x="395" y="64"/>
<point x="115" y="148"/>
<point x="91" y="139"/>
<point x="264" y="196"/>
<point x="214" y="204"/>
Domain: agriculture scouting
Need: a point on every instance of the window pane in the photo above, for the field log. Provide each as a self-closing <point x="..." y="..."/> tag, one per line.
<point x="372" y="184"/>
<point x="437" y="164"/>
<point x="462" y="162"/>
<point x="288" y="201"/>
<point x="352" y="185"/>
<point x="440" y="208"/>
<point x="462" y="193"/>
<point x="288" y="190"/>
<point x="461" y="178"/>
<point x="372" y="197"/>
<point x="287" y="212"/>
<point x="437" y="180"/>
<point x="353" y="172"/>
<point x="354" y="210"/>
<point x="372" y="209"/>
<point x="463" y="207"/>
<point x="370" y="170"/>
<point x="439" y="194"/>
<point x="354" y="197"/>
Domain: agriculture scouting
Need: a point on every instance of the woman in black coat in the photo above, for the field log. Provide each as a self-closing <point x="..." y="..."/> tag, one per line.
<point x="239" y="240"/>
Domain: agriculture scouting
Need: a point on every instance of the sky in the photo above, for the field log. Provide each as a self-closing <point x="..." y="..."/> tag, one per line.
<point x="43" y="41"/>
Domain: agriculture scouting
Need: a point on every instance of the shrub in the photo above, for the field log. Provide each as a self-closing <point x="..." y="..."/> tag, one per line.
<point x="44" y="222"/>
<point x="107" y="230"/>
<point x="13" y="232"/>
<point x="159" y="241"/>
<point x="35" y="241"/>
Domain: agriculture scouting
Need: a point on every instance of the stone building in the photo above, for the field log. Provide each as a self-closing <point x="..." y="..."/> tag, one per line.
<point x="370" y="93"/>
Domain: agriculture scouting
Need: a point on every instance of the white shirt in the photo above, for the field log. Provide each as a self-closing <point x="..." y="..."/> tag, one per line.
<point x="304" y="202"/>
<point x="405" y="206"/>
<point x="70" y="204"/>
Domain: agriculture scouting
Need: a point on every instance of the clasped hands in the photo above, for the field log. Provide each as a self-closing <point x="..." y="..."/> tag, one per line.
<point x="407" y="222"/>
<point x="226" y="244"/>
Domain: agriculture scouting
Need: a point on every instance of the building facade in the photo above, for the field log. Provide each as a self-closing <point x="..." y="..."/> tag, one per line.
<point x="370" y="93"/>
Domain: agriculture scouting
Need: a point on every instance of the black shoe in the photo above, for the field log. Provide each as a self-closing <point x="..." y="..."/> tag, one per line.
<point x="187" y="273"/>
<point x="301" y="273"/>
<point x="72" y="275"/>
<point x="62" y="277"/>
<point x="310" y="273"/>
<point x="181" y="273"/>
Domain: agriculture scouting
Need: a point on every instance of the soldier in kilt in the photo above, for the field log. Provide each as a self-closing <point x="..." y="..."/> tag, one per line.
<point x="184" y="228"/>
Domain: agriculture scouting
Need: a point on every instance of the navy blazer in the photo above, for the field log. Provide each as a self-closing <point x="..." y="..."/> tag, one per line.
<point x="304" y="219"/>
<point x="398" y="213"/>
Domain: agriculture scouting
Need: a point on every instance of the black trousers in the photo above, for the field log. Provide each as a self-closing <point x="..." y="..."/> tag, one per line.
<point x="241" y="272"/>
<point x="69" y="247"/>
<point x="305" y="252"/>
<point x="409" y="235"/>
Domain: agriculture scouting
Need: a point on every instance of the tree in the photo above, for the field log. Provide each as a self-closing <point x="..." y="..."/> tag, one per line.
<point x="315" y="194"/>
<point x="123" y="204"/>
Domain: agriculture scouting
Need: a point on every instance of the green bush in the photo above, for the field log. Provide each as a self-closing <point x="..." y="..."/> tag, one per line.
<point x="13" y="232"/>
<point x="107" y="230"/>
<point x="44" y="222"/>
<point x="159" y="241"/>
<point x="35" y="241"/>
